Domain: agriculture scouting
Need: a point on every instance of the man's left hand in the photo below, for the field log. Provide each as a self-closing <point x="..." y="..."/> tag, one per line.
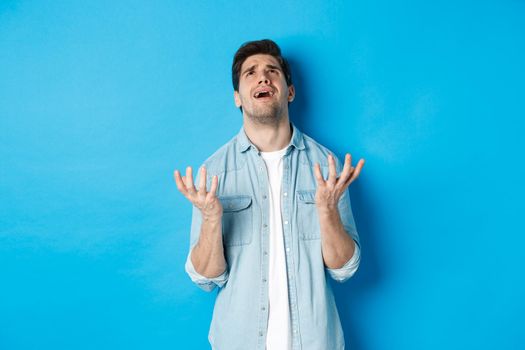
<point x="330" y="191"/>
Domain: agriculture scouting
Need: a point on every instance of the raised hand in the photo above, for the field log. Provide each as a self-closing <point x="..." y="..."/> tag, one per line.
<point x="330" y="191"/>
<point x="207" y="202"/>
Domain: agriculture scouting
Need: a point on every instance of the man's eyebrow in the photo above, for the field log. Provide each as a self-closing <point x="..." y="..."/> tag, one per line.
<point x="267" y="66"/>
<point x="273" y="67"/>
<point x="249" y="69"/>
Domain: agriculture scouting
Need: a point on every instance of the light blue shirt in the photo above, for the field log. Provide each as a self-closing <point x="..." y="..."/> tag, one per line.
<point x="240" y="315"/>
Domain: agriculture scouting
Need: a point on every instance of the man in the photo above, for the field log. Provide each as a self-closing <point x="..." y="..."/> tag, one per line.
<point x="271" y="220"/>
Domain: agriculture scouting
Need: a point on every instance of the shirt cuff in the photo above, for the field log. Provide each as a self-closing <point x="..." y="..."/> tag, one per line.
<point x="349" y="268"/>
<point x="205" y="283"/>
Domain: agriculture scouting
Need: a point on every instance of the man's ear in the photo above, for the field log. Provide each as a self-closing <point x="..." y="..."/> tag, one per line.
<point x="291" y="93"/>
<point x="237" y="99"/>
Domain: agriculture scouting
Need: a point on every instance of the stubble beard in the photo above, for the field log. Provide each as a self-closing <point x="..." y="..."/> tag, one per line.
<point x="266" y="115"/>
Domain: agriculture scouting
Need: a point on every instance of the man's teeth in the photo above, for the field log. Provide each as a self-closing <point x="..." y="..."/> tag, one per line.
<point x="263" y="93"/>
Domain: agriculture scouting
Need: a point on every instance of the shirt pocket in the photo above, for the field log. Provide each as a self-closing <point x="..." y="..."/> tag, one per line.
<point x="307" y="218"/>
<point x="236" y="220"/>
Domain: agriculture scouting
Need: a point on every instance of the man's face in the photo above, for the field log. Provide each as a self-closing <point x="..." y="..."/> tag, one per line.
<point x="263" y="93"/>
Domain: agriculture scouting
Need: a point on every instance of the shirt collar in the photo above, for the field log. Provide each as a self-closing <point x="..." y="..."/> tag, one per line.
<point x="243" y="143"/>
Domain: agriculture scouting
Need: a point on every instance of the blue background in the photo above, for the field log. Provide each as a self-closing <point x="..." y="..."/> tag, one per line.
<point x="100" y="101"/>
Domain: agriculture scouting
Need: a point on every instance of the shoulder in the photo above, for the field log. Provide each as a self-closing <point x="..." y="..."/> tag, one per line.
<point x="224" y="159"/>
<point x="316" y="152"/>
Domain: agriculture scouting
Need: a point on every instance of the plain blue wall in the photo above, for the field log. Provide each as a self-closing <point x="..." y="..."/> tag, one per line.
<point x="101" y="100"/>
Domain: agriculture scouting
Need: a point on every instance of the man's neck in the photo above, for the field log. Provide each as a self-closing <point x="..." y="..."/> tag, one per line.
<point x="268" y="137"/>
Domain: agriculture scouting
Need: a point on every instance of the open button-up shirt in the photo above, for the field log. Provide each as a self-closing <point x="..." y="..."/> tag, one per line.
<point x="240" y="315"/>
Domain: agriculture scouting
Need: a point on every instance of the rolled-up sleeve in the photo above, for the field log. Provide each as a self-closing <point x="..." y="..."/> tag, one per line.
<point x="343" y="273"/>
<point x="205" y="283"/>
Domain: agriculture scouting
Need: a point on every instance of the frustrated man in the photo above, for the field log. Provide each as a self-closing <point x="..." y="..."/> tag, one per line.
<point x="271" y="220"/>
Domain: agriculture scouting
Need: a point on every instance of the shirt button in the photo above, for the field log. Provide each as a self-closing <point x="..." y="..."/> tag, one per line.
<point x="265" y="253"/>
<point x="264" y="280"/>
<point x="287" y="249"/>
<point x="264" y="225"/>
<point x="285" y="194"/>
<point x="261" y="334"/>
<point x="286" y="222"/>
<point x="263" y="308"/>
<point x="295" y="330"/>
<point x="264" y="196"/>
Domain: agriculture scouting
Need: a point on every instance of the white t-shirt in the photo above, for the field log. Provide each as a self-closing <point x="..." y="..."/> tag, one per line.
<point x="279" y="336"/>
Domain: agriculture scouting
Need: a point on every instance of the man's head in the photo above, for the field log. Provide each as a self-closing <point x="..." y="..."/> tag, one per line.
<point x="262" y="81"/>
<point x="250" y="48"/>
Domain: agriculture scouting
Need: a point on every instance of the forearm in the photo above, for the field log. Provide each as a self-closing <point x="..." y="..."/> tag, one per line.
<point x="207" y="256"/>
<point x="336" y="244"/>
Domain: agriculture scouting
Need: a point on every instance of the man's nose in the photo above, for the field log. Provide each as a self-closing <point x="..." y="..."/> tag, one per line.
<point x="263" y="78"/>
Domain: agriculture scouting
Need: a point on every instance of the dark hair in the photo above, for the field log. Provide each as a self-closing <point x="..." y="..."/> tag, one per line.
<point x="251" y="48"/>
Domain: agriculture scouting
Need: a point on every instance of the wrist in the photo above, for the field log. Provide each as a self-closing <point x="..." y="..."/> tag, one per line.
<point x="212" y="219"/>
<point x="327" y="209"/>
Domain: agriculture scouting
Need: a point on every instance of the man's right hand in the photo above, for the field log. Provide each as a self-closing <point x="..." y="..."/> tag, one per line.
<point x="206" y="202"/>
<point x="207" y="256"/>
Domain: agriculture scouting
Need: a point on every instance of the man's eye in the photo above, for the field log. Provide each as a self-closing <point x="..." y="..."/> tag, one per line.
<point x="250" y="73"/>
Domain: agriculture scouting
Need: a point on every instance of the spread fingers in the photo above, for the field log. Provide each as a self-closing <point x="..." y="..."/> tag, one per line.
<point x="190" y="187"/>
<point x="318" y="174"/>
<point x="180" y="183"/>
<point x="202" y="182"/>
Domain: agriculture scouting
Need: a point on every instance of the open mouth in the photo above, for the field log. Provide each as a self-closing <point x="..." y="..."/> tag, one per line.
<point x="263" y="93"/>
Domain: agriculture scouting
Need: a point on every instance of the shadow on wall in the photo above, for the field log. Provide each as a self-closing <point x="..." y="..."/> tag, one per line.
<point x="350" y="294"/>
